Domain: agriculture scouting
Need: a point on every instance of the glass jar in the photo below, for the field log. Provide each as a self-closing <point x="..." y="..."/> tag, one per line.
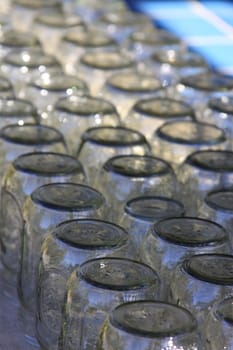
<point x="95" y="289"/>
<point x="150" y="325"/>
<point x="102" y="143"/>
<point x="68" y="246"/>
<point x="73" y="115"/>
<point x="140" y="213"/>
<point x="126" y="176"/>
<point x="23" y="176"/>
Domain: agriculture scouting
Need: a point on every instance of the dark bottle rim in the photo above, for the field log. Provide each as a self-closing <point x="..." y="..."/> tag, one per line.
<point x="16" y="107"/>
<point x="139" y="87"/>
<point x="58" y="20"/>
<point x="162" y="134"/>
<point x="185" y="323"/>
<point x="208" y="81"/>
<point x="137" y="282"/>
<point x="14" y="58"/>
<point x="213" y="203"/>
<point x="89" y="59"/>
<point x="72" y="206"/>
<point x="161" y="168"/>
<point x="13" y="38"/>
<point x="203" y="240"/>
<point x="118" y="239"/>
<point x="71" y="165"/>
<point x="91" y="40"/>
<point x="36" y="5"/>
<point x="130" y="211"/>
<point x="205" y="267"/>
<point x="56" y="135"/>
<point x="91" y="135"/>
<point x="188" y="110"/>
<point x="193" y="160"/>
<point x="67" y="82"/>
<point x="64" y="105"/>
<point x="222" y="104"/>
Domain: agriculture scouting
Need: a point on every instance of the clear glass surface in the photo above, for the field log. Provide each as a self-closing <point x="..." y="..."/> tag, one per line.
<point x="175" y="140"/>
<point x="218" y="206"/>
<point x="147" y="115"/>
<point x="150" y="325"/>
<point x="219" y="325"/>
<point x="198" y="88"/>
<point x="202" y="172"/>
<point x="120" y="24"/>
<point x="68" y="246"/>
<point x="140" y="213"/>
<point x="102" y="143"/>
<point x="17" y="39"/>
<point x="52" y="26"/>
<point x="95" y="289"/>
<point x="17" y="111"/>
<point x="144" y="42"/>
<point x="202" y="280"/>
<point x="125" y="89"/>
<point x="6" y="88"/>
<point x="173" y="239"/>
<point x="96" y="67"/>
<point x="28" y="9"/>
<point x="219" y="111"/>
<point x="176" y="63"/>
<point x="73" y="115"/>
<point x="126" y="176"/>
<point x="23" y="176"/>
<point x="45" y="208"/>
<point x="76" y="43"/>
<point x="22" y="66"/>
<point x="49" y="88"/>
<point x="17" y="139"/>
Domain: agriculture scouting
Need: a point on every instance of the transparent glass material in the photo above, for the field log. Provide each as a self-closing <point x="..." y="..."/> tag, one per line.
<point x="17" y="111"/>
<point x="140" y="213"/>
<point x="17" y="39"/>
<point x="96" y="67"/>
<point x="198" y="88"/>
<point x="102" y="143"/>
<point x="68" y="246"/>
<point x="219" y="326"/>
<point x="173" y="239"/>
<point x="91" y="10"/>
<point x="45" y="208"/>
<point x="142" y="43"/>
<point x="125" y="89"/>
<point x="174" y="141"/>
<point x="219" y="111"/>
<point x="147" y="115"/>
<point x="95" y="289"/>
<point x="202" y="172"/>
<point x="19" y="139"/>
<point x="6" y="88"/>
<point x="51" y="26"/>
<point x="23" y="176"/>
<point x="201" y="280"/>
<point x="120" y="24"/>
<point x="47" y="89"/>
<point x="73" y="115"/>
<point x="24" y="65"/>
<point x="218" y="206"/>
<point x="77" y="42"/>
<point x="150" y="325"/>
<point x="28" y="9"/>
<point x="175" y="63"/>
<point x="126" y="176"/>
